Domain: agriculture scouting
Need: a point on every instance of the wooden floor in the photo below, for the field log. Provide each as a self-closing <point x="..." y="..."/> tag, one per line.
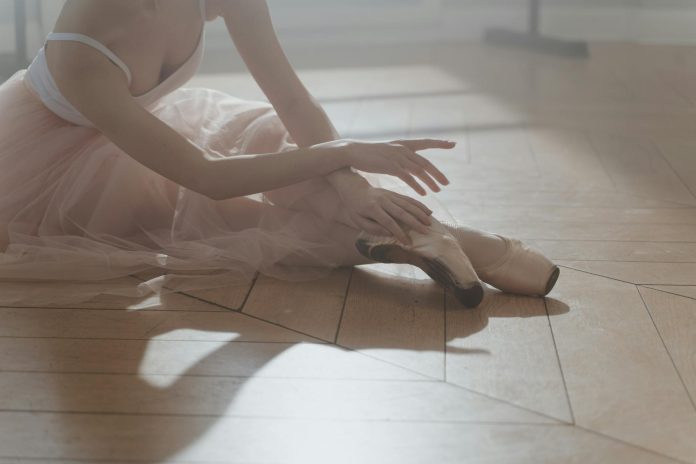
<point x="592" y="161"/>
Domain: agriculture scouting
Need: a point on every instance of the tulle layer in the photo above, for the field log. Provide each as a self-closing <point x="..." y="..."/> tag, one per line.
<point x="78" y="213"/>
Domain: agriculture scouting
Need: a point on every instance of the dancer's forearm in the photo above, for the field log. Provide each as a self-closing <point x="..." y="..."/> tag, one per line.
<point x="308" y="124"/>
<point x="242" y="175"/>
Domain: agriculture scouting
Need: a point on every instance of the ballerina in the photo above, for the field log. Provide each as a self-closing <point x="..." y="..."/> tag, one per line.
<point x="110" y="167"/>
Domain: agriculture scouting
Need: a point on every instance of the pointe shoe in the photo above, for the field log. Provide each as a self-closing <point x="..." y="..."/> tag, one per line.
<point x="520" y="270"/>
<point x="437" y="253"/>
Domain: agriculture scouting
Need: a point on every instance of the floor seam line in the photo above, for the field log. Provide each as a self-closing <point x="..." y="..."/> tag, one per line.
<point x="667" y="351"/>
<point x="560" y="365"/>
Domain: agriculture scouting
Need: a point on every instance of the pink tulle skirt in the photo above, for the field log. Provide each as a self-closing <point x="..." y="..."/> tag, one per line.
<point x="80" y="218"/>
<point x="75" y="209"/>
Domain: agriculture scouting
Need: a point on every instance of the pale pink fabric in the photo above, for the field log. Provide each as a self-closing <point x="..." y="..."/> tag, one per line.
<point x="77" y="210"/>
<point x="74" y="207"/>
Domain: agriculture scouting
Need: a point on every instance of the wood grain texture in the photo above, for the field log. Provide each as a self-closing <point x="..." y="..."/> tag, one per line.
<point x="194" y="358"/>
<point x="168" y="302"/>
<point x="635" y="252"/>
<point x="312" y="307"/>
<point x="637" y="166"/>
<point x="577" y="214"/>
<point x="398" y="318"/>
<point x="620" y="378"/>
<point x="270" y="398"/>
<point x="235" y="440"/>
<point x="689" y="292"/>
<point x="230" y="297"/>
<point x="505" y="349"/>
<point x="579" y="230"/>
<point x="158" y="325"/>
<point x="675" y="318"/>
<point x="644" y="274"/>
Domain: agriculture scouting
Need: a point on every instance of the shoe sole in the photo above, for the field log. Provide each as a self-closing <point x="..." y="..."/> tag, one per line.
<point x="435" y="268"/>
<point x="552" y="280"/>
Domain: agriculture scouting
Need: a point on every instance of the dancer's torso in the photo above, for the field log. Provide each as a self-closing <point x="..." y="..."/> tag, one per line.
<point x="149" y="34"/>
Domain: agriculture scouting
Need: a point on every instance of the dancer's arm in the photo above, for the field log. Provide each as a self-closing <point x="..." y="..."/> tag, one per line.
<point x="250" y="26"/>
<point x="99" y="90"/>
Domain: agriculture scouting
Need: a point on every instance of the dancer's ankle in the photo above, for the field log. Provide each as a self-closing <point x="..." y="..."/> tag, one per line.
<point x="482" y="248"/>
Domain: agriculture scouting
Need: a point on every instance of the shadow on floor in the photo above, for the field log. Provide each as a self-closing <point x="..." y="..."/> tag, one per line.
<point x="113" y="433"/>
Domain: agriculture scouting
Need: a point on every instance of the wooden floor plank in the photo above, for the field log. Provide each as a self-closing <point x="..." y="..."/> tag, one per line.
<point x="360" y="400"/>
<point x="219" y="358"/>
<point x="10" y="291"/>
<point x="689" y="292"/>
<point x="505" y="151"/>
<point x="620" y="379"/>
<point x="636" y="166"/>
<point x="680" y="156"/>
<point x="644" y="274"/>
<point x="675" y="318"/>
<point x="144" y="325"/>
<point x="549" y="230"/>
<point x="501" y="197"/>
<point x="397" y="317"/>
<point x="236" y="440"/>
<point x="381" y="120"/>
<point x="312" y="307"/>
<point x="568" y="156"/>
<point x="229" y="297"/>
<point x="505" y="349"/>
<point x="592" y="215"/>
<point x="598" y="250"/>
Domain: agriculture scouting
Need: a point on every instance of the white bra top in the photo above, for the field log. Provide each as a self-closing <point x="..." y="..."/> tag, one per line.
<point x="39" y="79"/>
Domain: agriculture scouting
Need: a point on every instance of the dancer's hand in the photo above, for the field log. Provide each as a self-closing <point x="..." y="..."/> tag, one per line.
<point x="397" y="158"/>
<point x="377" y="210"/>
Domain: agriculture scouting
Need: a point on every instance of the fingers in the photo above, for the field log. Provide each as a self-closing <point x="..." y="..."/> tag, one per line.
<point x="415" y="202"/>
<point x="404" y="215"/>
<point x="414" y="210"/>
<point x="371" y="226"/>
<point x="426" y="144"/>
<point x="416" y="169"/>
<point x="430" y="168"/>
<point x="391" y="225"/>
<point x="408" y="178"/>
<point x="421" y="166"/>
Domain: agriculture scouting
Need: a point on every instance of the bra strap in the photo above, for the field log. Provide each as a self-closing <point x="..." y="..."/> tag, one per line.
<point x="94" y="44"/>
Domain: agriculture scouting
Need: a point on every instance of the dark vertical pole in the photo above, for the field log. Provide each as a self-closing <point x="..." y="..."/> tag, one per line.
<point x="20" y="32"/>
<point x="533" y="39"/>
<point x="534" y="12"/>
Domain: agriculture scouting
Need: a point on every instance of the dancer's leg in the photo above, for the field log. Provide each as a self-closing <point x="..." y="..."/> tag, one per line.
<point x="481" y="247"/>
<point x="243" y="213"/>
<point x="505" y="263"/>
<point x="316" y="195"/>
<point x="345" y="237"/>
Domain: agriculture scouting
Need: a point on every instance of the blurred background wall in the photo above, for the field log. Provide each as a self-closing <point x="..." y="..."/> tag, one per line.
<point x="324" y="23"/>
